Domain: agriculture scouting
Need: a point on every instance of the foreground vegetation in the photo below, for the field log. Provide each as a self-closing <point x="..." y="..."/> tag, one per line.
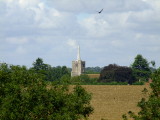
<point x="24" y="94"/>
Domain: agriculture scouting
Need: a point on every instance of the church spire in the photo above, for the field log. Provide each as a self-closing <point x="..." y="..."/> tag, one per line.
<point x="78" y="54"/>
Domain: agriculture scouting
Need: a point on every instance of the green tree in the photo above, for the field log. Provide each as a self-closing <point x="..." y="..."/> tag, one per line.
<point x="153" y="66"/>
<point x="50" y="73"/>
<point x="141" y="68"/>
<point x="24" y="95"/>
<point x="153" y="63"/>
<point x="57" y="72"/>
<point x="150" y="107"/>
<point x="39" y="65"/>
<point x="41" y="68"/>
<point x="92" y="70"/>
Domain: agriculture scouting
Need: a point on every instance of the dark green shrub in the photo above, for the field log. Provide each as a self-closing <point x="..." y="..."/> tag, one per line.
<point x="83" y="80"/>
<point x="115" y="73"/>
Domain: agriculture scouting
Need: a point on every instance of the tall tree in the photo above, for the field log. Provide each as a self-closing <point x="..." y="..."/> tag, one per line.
<point x="141" y="68"/>
<point x="39" y="65"/>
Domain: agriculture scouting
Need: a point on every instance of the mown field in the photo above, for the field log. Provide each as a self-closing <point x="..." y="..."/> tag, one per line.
<point x="93" y="75"/>
<point x="110" y="102"/>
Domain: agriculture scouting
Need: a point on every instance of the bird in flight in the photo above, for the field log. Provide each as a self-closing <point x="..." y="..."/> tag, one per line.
<point x="100" y="11"/>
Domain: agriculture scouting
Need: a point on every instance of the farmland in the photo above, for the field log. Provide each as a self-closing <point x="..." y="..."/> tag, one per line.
<point x="93" y="75"/>
<point x="110" y="102"/>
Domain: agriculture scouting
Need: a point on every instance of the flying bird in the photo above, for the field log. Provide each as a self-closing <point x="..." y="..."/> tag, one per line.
<point x="100" y="11"/>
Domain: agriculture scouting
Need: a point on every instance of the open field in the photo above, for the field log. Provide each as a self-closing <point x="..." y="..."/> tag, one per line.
<point x="93" y="75"/>
<point x="110" y="102"/>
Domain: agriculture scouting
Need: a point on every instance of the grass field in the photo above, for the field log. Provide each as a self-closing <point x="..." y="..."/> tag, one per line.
<point x="110" y="102"/>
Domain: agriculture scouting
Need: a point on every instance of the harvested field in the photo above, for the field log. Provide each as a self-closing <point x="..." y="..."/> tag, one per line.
<point x="93" y="75"/>
<point x="110" y="102"/>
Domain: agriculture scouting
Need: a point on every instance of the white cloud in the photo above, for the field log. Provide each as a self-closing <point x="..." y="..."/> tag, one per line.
<point x="21" y="50"/>
<point x="154" y="3"/>
<point x="89" y="6"/>
<point x="117" y="43"/>
<point x="72" y="43"/>
<point x="36" y="28"/>
<point x="96" y="26"/>
<point x="14" y="40"/>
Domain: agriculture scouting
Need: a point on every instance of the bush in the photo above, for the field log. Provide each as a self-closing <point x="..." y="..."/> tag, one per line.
<point x="138" y="83"/>
<point x="115" y="73"/>
<point x="113" y="83"/>
<point x="83" y="80"/>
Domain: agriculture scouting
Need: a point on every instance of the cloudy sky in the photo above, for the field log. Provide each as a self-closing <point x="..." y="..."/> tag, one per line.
<point x="52" y="29"/>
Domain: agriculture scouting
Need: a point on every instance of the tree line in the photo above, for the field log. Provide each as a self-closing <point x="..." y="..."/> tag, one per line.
<point x="48" y="72"/>
<point x="139" y="72"/>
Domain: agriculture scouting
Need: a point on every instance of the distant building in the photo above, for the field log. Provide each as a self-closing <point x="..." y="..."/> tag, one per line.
<point x="78" y="66"/>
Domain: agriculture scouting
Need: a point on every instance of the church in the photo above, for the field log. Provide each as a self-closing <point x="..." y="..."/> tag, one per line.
<point x="78" y="66"/>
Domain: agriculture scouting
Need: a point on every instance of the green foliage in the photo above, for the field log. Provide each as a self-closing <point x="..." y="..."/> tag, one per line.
<point x="64" y="80"/>
<point x="153" y="63"/>
<point x="115" y="73"/>
<point x="138" y="83"/>
<point x="112" y="83"/>
<point x="92" y="70"/>
<point x="150" y="107"/>
<point x="24" y="95"/>
<point x="124" y="117"/>
<point x="39" y="65"/>
<point x="141" y="68"/>
<point x="55" y="73"/>
<point x="83" y="80"/>
<point x="49" y="73"/>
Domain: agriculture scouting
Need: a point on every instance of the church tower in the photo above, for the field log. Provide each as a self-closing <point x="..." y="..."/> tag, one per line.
<point x="78" y="66"/>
